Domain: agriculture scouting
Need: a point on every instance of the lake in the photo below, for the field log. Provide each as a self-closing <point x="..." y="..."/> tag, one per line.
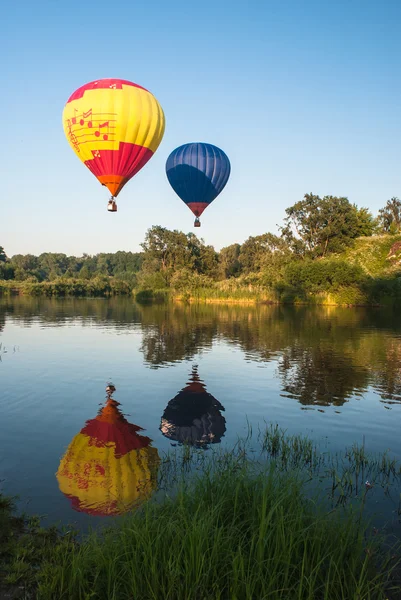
<point x="199" y="372"/>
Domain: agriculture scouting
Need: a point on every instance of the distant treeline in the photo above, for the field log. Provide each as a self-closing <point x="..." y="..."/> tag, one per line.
<point x="319" y="252"/>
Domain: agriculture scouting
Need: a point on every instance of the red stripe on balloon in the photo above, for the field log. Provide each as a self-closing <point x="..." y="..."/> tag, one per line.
<point x="197" y="207"/>
<point x="102" y="84"/>
<point x="124" y="162"/>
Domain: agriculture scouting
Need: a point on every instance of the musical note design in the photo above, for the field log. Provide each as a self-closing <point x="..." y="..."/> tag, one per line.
<point x="105" y="135"/>
<point x="86" y="115"/>
<point x="90" y="127"/>
<point x="71" y="135"/>
<point x="74" y="118"/>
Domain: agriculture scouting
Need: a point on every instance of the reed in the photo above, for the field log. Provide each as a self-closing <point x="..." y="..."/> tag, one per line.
<point x="233" y="532"/>
<point x="272" y="517"/>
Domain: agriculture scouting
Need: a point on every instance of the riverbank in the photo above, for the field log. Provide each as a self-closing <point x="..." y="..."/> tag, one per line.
<point x="242" y="528"/>
<point x="366" y="274"/>
<point x="373" y="293"/>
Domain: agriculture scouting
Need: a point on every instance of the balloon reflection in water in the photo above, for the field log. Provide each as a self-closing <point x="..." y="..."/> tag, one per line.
<point x="108" y="467"/>
<point x="193" y="416"/>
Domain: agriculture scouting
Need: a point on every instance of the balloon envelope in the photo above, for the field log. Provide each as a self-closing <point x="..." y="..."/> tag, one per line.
<point x="198" y="173"/>
<point x="114" y="127"/>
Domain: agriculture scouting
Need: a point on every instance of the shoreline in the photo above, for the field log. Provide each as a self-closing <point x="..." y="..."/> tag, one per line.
<point x="76" y="289"/>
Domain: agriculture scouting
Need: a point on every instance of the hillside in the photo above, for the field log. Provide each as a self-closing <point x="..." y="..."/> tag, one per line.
<point x="374" y="254"/>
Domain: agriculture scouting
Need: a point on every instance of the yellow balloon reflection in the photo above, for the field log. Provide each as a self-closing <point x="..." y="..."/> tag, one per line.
<point x="108" y="467"/>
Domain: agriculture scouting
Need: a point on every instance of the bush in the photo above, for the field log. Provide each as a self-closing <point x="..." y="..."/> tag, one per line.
<point x="322" y="275"/>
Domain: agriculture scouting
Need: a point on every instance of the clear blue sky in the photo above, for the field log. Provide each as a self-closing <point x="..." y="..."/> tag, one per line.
<point x="303" y="96"/>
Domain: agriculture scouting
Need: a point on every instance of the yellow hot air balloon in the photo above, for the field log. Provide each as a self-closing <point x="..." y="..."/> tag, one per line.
<point x="108" y="468"/>
<point x="114" y="127"/>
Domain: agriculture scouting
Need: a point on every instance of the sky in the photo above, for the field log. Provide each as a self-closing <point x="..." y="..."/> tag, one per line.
<point x="302" y="96"/>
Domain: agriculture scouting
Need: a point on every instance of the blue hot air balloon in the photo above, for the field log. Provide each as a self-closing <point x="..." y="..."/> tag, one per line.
<point x="197" y="173"/>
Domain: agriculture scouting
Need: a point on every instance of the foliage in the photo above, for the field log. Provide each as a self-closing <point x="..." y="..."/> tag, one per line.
<point x="49" y="266"/>
<point x="98" y="286"/>
<point x="322" y="275"/>
<point x="390" y="216"/>
<point x="329" y="250"/>
<point x="262" y="252"/>
<point x="229" y="264"/>
<point x="315" y="227"/>
<point x="149" y="296"/>
<point x="167" y="251"/>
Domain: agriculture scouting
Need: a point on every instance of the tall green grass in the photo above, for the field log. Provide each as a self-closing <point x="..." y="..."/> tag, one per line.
<point x="234" y="533"/>
<point x="242" y="528"/>
<point x="98" y="286"/>
<point x="275" y="517"/>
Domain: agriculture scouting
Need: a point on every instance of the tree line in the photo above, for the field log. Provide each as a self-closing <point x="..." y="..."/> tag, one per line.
<point x="313" y="228"/>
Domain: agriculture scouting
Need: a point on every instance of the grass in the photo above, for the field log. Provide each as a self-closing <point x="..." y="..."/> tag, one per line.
<point x="98" y="286"/>
<point x="233" y="534"/>
<point x="273" y="519"/>
<point x="371" y="254"/>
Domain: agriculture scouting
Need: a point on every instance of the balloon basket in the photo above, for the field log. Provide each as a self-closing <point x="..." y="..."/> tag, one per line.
<point x="197" y="222"/>
<point x="112" y="206"/>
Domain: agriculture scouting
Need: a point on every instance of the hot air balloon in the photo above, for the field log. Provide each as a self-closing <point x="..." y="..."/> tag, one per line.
<point x="198" y="173"/>
<point x="194" y="416"/>
<point x="114" y="127"/>
<point x="108" y="467"/>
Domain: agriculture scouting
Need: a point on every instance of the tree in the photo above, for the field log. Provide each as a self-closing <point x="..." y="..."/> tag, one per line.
<point x="318" y="226"/>
<point x="229" y="263"/>
<point x="367" y="224"/>
<point x="390" y="216"/>
<point x="165" y="251"/>
<point x="168" y="251"/>
<point x="261" y="251"/>
<point x="3" y="255"/>
<point x="205" y="258"/>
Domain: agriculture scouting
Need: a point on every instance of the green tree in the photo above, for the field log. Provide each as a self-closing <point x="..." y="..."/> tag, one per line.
<point x="390" y="216"/>
<point x="318" y="226"/>
<point x="167" y="251"/>
<point x="259" y="252"/>
<point x="3" y="255"/>
<point x="205" y="258"/>
<point x="367" y="224"/>
<point x="229" y="264"/>
<point x="25" y="262"/>
<point x="84" y="273"/>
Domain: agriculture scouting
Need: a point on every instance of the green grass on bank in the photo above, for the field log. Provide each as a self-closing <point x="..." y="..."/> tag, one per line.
<point x="239" y="525"/>
<point x="98" y="286"/>
<point x="233" y="535"/>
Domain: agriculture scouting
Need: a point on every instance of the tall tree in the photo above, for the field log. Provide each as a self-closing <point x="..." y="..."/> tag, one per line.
<point x="261" y="251"/>
<point x="229" y="264"/>
<point x="317" y="226"/>
<point x="3" y="255"/>
<point x="390" y="216"/>
<point x="166" y="251"/>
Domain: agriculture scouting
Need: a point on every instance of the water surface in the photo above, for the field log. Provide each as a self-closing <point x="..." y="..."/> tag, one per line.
<point x="203" y="373"/>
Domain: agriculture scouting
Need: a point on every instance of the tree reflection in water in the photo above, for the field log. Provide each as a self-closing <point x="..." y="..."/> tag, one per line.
<point x="324" y="355"/>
